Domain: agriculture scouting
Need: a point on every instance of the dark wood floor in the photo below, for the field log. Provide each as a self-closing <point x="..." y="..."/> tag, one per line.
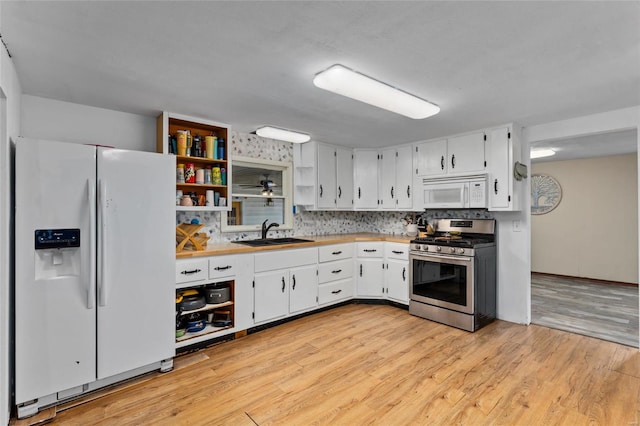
<point x="375" y="364"/>
<point x="604" y="310"/>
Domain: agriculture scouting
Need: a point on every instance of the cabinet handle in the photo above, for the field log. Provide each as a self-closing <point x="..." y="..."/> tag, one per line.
<point x="360" y="270"/>
<point x="404" y="274"/>
<point x="397" y="252"/>
<point x="337" y="271"/>
<point x="495" y="186"/>
<point x="453" y="161"/>
<point x="339" y="192"/>
<point x="409" y="191"/>
<point x="321" y="191"/>
<point x="359" y="192"/>
<point x="369" y="250"/>
<point x="442" y="162"/>
<point x="283" y="284"/>
<point x="222" y="268"/>
<point x="193" y="271"/>
<point x="336" y="291"/>
<point x="392" y="192"/>
<point x="294" y="282"/>
<point x="336" y="252"/>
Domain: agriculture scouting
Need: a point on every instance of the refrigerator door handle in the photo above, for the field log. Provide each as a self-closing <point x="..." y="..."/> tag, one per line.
<point x="91" y="290"/>
<point x="102" y="284"/>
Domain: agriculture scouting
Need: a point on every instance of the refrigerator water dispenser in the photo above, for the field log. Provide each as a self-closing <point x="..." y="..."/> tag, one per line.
<point x="57" y="253"/>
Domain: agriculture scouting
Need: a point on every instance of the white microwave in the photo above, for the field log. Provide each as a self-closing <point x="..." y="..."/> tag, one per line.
<point x="468" y="192"/>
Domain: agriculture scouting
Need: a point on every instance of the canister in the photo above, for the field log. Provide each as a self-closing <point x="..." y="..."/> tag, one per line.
<point x="216" y="178"/>
<point x="190" y="173"/>
<point x="211" y="147"/>
<point x="181" y="137"/>
<point x="200" y="176"/>
<point x="180" y="173"/>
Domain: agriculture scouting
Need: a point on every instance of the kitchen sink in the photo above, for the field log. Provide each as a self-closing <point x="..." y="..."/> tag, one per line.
<point x="272" y="241"/>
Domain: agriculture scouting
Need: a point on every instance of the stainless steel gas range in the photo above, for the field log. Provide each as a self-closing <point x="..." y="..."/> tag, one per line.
<point x="452" y="274"/>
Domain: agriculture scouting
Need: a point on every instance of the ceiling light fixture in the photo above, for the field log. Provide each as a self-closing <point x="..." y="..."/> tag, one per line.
<point x="282" y="134"/>
<point x="346" y="82"/>
<point x="540" y="153"/>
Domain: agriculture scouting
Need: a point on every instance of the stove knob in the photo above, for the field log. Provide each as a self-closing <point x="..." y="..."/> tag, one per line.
<point x="438" y="249"/>
<point x="452" y="250"/>
<point x="461" y="251"/>
<point x="425" y="248"/>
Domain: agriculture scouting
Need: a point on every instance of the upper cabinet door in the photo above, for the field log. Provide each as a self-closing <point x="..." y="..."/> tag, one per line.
<point x="365" y="169"/>
<point x="498" y="162"/>
<point x="404" y="178"/>
<point x="431" y="158"/>
<point x="326" y="176"/>
<point x="466" y="153"/>
<point x="388" y="190"/>
<point x="344" y="174"/>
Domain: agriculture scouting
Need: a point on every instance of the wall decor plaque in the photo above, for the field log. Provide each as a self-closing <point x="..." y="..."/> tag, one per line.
<point x="546" y="193"/>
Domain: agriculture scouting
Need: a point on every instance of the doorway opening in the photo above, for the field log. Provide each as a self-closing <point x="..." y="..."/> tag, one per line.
<point x="584" y="248"/>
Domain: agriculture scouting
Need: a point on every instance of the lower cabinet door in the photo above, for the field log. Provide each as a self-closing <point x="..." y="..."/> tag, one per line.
<point x="271" y="295"/>
<point x="370" y="277"/>
<point x="303" y="288"/>
<point x="397" y="279"/>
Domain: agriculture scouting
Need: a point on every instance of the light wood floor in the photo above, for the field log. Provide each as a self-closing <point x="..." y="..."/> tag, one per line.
<point x="607" y="311"/>
<point x="373" y="364"/>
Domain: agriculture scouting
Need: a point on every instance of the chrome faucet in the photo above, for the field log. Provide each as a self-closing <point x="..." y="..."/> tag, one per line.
<point x="266" y="228"/>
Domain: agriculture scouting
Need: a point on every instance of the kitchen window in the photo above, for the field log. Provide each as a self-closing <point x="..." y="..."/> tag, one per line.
<point x="261" y="191"/>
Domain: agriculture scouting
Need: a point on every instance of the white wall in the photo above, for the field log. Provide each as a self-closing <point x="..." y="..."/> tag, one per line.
<point x="10" y="96"/>
<point x="597" y="219"/>
<point x="44" y="118"/>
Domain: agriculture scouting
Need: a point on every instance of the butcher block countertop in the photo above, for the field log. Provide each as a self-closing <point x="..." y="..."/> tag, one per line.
<point x="216" y="249"/>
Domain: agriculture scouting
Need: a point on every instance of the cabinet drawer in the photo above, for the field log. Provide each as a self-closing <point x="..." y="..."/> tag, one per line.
<point x="396" y="251"/>
<point x="335" y="291"/>
<point x="374" y="249"/>
<point x="333" y="271"/>
<point x="222" y="266"/>
<point x="192" y="270"/>
<point x="335" y="252"/>
<point x="284" y="259"/>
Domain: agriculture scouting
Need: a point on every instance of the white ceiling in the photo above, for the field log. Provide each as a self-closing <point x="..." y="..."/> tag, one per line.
<point x="251" y="63"/>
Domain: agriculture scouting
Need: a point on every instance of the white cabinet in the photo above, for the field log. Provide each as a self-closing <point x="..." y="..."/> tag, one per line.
<point x="365" y="173"/>
<point x="466" y="153"/>
<point x="457" y="155"/>
<point x="396" y="275"/>
<point x="200" y="275"/>
<point x="344" y="178"/>
<point x="303" y="288"/>
<point x="327" y="197"/>
<point x="431" y="158"/>
<point x="335" y="273"/>
<point x="370" y="269"/>
<point x="285" y="282"/>
<point x="271" y="296"/>
<point x="323" y="178"/>
<point x="503" y="150"/>
<point x="396" y="178"/>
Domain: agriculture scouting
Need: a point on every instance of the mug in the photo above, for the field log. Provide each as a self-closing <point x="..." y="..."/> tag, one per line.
<point x="186" y="201"/>
<point x="222" y="201"/>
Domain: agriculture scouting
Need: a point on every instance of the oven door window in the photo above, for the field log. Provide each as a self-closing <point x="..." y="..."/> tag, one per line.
<point x="441" y="282"/>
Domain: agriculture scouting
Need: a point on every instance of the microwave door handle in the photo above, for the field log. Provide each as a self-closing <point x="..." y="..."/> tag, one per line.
<point x="465" y="195"/>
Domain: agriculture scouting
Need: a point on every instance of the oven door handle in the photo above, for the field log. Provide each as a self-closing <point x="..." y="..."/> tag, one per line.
<point x="437" y="258"/>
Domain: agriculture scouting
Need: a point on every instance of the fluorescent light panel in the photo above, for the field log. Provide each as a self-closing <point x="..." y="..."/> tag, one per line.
<point x="540" y="153"/>
<point x="282" y="134"/>
<point x="346" y="82"/>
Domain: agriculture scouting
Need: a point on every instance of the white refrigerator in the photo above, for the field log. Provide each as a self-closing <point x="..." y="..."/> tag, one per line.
<point x="94" y="268"/>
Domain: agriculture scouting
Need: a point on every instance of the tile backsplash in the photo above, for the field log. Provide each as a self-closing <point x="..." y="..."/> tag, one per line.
<point x="312" y="222"/>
